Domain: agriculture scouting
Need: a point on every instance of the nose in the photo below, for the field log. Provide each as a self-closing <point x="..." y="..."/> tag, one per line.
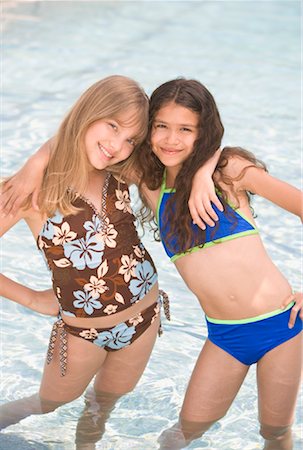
<point x="172" y="137"/>
<point x="116" y="143"/>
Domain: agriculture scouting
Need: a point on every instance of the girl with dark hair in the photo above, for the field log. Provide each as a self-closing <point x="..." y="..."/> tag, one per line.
<point x="251" y="312"/>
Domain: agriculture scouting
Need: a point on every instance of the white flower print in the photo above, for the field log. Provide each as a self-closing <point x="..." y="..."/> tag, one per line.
<point x="110" y="309"/>
<point x="127" y="268"/>
<point x="96" y="286"/>
<point x="135" y="320"/>
<point x="157" y="310"/>
<point x="123" y="202"/>
<point x="110" y="234"/>
<point x="92" y="333"/>
<point x="63" y="234"/>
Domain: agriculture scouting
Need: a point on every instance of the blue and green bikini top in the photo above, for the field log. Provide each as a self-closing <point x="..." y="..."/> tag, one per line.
<point x="232" y="224"/>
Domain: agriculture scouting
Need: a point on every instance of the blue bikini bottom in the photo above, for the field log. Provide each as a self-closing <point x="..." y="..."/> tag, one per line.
<point x="248" y="340"/>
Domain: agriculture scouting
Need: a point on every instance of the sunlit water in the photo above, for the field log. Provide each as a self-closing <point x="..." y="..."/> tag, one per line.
<point x="248" y="54"/>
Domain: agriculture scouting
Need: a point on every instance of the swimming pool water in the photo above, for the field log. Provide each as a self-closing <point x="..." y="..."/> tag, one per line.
<point x="248" y="54"/>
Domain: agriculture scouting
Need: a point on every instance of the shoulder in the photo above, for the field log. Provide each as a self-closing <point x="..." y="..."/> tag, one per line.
<point x="236" y="165"/>
<point x="151" y="197"/>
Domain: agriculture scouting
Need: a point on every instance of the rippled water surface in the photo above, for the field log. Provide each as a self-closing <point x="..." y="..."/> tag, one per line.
<point x="248" y="55"/>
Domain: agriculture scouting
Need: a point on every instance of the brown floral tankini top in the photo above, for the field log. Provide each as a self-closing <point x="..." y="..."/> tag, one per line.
<point x="99" y="265"/>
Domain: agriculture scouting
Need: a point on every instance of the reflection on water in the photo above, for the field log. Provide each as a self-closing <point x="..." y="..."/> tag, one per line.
<point x="248" y="55"/>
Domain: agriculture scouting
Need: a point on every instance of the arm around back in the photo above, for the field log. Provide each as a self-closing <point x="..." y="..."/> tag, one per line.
<point x="248" y="177"/>
<point x="26" y="182"/>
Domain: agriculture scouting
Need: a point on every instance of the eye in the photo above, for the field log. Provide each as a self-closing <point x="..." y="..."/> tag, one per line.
<point x="188" y="130"/>
<point x="160" y="125"/>
<point x="113" y="125"/>
<point x="131" y="142"/>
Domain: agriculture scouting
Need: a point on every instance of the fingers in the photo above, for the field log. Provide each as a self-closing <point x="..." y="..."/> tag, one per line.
<point x="11" y="204"/>
<point x="293" y="315"/>
<point x="10" y="199"/>
<point x="202" y="211"/>
<point x="215" y="200"/>
<point x="196" y="217"/>
<point x="297" y="297"/>
<point x="6" y="201"/>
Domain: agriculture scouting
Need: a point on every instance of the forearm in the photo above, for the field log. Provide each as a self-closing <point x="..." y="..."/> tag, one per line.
<point x="203" y="195"/>
<point x="210" y="165"/>
<point x="16" y="292"/>
<point x="277" y="191"/>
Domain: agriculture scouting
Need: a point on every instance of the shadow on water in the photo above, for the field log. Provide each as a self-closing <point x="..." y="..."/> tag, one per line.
<point x="11" y="441"/>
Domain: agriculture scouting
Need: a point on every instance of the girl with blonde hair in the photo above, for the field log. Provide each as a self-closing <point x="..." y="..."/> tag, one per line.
<point x="104" y="280"/>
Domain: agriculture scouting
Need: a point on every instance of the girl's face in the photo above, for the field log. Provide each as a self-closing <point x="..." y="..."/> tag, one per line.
<point x="174" y="131"/>
<point x="107" y="142"/>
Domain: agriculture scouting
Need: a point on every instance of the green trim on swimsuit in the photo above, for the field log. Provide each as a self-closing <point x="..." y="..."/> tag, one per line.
<point x="217" y="241"/>
<point x="251" y="319"/>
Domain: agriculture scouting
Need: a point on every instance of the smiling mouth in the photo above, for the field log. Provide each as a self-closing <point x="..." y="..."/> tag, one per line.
<point x="104" y="151"/>
<point x="170" y="152"/>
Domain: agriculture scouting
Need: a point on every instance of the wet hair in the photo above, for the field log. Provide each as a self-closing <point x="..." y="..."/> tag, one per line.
<point x="196" y="97"/>
<point x="68" y="165"/>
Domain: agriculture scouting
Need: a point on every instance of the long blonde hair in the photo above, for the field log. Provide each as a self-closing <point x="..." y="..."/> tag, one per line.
<point x="68" y="164"/>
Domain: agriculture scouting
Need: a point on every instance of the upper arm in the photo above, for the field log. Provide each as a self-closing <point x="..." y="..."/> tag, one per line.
<point x="277" y="191"/>
<point x="258" y="181"/>
<point x="8" y="221"/>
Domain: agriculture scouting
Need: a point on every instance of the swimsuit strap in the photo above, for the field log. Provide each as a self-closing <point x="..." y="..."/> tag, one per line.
<point x="164" y="300"/>
<point x="58" y="327"/>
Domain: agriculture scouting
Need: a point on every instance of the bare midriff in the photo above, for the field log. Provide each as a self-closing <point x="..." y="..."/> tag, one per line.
<point x="235" y="279"/>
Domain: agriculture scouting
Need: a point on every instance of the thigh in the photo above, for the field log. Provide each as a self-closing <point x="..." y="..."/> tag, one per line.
<point x="84" y="359"/>
<point x="278" y="376"/>
<point x="123" y="368"/>
<point x="214" y="383"/>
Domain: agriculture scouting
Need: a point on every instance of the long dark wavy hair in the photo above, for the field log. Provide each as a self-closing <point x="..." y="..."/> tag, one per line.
<point x="195" y="96"/>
